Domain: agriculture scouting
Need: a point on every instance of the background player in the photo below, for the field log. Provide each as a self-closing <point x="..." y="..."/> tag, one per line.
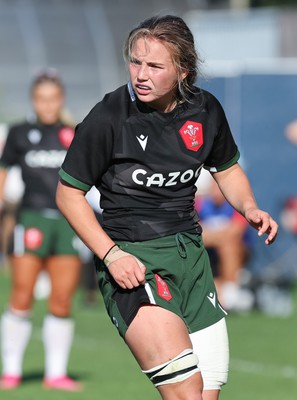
<point x="42" y="239"/>
<point x="143" y="146"/>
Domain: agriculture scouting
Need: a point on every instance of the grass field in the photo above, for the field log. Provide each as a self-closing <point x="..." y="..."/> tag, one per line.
<point x="263" y="358"/>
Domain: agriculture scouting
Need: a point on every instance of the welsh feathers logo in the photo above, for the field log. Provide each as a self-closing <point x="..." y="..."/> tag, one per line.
<point x="33" y="238"/>
<point x="192" y="135"/>
<point x="65" y="136"/>
<point x="162" y="288"/>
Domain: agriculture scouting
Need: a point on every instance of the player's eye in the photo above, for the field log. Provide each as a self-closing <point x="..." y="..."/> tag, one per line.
<point x="135" y="61"/>
<point x="156" y="66"/>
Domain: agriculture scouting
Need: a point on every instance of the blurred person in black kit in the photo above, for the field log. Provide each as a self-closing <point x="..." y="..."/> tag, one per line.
<point x="42" y="239"/>
<point x="143" y="147"/>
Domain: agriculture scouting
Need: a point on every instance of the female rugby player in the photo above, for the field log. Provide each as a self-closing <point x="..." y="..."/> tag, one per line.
<point x="42" y="239"/>
<point x="143" y="147"/>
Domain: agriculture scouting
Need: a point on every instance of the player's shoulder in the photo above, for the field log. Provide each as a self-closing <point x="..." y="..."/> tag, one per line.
<point x="118" y="96"/>
<point x="206" y="99"/>
<point x="111" y="104"/>
<point x="106" y="114"/>
<point x="21" y="127"/>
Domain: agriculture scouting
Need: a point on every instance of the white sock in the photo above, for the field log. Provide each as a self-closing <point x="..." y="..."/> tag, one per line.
<point x="57" y="339"/>
<point x="16" y="330"/>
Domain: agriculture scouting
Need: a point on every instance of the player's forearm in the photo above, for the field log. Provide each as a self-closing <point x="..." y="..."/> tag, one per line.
<point x="81" y="217"/>
<point x="236" y="188"/>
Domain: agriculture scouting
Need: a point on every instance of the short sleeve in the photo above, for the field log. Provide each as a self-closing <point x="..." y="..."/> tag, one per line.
<point x="224" y="152"/>
<point x="90" y="151"/>
<point x="10" y="154"/>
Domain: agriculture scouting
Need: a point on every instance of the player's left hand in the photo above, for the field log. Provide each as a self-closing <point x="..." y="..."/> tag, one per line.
<point x="263" y="222"/>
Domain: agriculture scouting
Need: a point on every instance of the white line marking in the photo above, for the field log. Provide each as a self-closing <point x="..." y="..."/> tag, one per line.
<point x="252" y="367"/>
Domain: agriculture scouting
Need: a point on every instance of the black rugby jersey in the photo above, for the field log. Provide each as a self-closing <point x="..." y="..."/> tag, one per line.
<point x="145" y="163"/>
<point x="39" y="150"/>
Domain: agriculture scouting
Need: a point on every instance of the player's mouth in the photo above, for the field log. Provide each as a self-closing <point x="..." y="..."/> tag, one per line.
<point x="142" y="89"/>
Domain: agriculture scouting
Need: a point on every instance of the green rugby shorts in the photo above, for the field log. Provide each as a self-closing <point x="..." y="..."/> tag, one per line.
<point x="43" y="233"/>
<point x="178" y="278"/>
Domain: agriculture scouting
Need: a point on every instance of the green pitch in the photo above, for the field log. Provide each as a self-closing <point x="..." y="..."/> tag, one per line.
<point x="263" y="358"/>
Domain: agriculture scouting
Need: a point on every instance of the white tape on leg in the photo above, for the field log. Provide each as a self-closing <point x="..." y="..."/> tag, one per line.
<point x="176" y="370"/>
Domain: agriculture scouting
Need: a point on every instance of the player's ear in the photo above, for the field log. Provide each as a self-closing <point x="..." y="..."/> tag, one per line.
<point x="184" y="75"/>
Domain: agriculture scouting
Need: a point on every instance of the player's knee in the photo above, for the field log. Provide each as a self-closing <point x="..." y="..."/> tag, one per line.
<point x="176" y="370"/>
<point x="21" y="299"/>
<point x="60" y="305"/>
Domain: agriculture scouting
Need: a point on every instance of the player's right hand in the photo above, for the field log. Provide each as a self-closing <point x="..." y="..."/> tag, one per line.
<point x="127" y="270"/>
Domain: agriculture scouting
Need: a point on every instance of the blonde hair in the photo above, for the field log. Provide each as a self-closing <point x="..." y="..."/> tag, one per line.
<point x="174" y="33"/>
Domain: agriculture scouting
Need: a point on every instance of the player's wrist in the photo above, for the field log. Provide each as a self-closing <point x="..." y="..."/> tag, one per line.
<point x="114" y="254"/>
<point x="110" y="250"/>
<point x="109" y="256"/>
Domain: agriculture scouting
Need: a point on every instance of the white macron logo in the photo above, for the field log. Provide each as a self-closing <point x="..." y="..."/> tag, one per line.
<point x="142" y="141"/>
<point x="34" y="136"/>
<point x="212" y="298"/>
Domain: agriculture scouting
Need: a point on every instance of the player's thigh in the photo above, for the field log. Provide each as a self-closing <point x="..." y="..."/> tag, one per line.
<point x="158" y="338"/>
<point x="156" y="335"/>
<point x="64" y="272"/>
<point x="25" y="270"/>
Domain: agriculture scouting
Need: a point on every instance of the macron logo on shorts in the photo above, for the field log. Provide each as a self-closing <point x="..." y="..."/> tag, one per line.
<point x="212" y="298"/>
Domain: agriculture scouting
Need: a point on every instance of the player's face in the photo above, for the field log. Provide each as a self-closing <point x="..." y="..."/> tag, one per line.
<point x="48" y="101"/>
<point x="153" y="74"/>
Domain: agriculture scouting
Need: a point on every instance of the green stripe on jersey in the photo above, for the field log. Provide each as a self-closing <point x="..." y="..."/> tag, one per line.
<point x="3" y="165"/>
<point x="73" y="182"/>
<point x="227" y="165"/>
